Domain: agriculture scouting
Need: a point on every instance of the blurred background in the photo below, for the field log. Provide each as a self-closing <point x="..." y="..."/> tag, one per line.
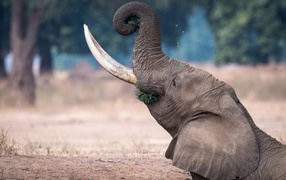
<point x="55" y="97"/>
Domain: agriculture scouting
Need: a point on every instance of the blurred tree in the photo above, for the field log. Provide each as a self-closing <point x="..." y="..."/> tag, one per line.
<point x="174" y="17"/>
<point x="248" y="32"/>
<point x="49" y="33"/>
<point x="62" y="26"/>
<point x="62" y="30"/>
<point x="197" y="43"/>
<point x="26" y="17"/>
<point x="4" y="35"/>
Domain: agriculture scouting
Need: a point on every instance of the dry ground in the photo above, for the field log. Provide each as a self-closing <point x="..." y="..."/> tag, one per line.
<point x="110" y="167"/>
<point x="89" y="125"/>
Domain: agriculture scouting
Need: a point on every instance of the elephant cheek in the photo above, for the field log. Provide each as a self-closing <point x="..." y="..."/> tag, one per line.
<point x="170" y="122"/>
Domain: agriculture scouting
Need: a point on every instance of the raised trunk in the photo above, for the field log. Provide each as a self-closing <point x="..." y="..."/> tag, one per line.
<point x="23" y="41"/>
<point x="147" y="50"/>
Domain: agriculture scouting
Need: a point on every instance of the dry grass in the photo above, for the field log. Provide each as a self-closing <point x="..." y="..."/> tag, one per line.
<point x="262" y="83"/>
<point x="265" y="83"/>
<point x="7" y="146"/>
<point x="97" y="88"/>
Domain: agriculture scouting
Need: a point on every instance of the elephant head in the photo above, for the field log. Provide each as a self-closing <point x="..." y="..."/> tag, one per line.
<point x="213" y="134"/>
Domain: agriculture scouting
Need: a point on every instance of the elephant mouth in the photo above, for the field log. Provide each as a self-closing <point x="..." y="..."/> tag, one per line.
<point x="106" y="61"/>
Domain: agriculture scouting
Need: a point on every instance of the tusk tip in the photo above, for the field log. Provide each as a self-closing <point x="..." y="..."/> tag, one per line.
<point x="85" y="26"/>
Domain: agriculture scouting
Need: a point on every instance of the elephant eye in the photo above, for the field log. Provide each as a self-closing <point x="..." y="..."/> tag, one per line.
<point x="174" y="83"/>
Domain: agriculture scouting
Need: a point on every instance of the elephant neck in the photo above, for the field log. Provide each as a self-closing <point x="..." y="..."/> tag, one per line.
<point x="267" y="144"/>
<point x="272" y="157"/>
<point x="270" y="150"/>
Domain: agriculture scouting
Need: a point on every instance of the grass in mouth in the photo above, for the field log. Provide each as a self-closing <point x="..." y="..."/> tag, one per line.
<point x="147" y="98"/>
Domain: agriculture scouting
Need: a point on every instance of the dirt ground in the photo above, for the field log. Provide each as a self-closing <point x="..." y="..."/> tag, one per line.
<point x="87" y="143"/>
<point x="112" y="139"/>
<point x="100" y="167"/>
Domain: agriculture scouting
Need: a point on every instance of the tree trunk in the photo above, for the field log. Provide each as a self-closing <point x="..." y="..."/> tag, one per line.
<point x="46" y="60"/>
<point x="21" y="82"/>
<point x="4" y="19"/>
<point x="3" y="74"/>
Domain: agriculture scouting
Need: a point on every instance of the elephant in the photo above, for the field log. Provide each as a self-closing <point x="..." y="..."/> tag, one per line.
<point x="213" y="135"/>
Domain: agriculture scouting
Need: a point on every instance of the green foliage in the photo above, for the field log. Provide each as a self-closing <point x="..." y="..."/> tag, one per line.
<point x="62" y="26"/>
<point x="4" y="25"/>
<point x="135" y="21"/>
<point x="248" y="32"/>
<point x="179" y="64"/>
<point x="146" y="98"/>
<point x="63" y="21"/>
<point x="245" y="31"/>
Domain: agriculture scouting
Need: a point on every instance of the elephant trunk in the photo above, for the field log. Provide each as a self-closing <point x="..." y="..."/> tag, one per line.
<point x="147" y="50"/>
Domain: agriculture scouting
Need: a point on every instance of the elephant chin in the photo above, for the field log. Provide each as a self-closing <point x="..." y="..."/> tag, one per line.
<point x="106" y="61"/>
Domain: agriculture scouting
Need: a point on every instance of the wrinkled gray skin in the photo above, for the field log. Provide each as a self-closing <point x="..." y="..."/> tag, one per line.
<point x="214" y="137"/>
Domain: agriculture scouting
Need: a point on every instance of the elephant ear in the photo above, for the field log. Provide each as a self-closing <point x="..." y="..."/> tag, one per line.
<point x="217" y="145"/>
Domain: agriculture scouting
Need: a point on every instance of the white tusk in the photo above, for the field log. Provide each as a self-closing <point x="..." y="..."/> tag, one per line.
<point x="106" y="61"/>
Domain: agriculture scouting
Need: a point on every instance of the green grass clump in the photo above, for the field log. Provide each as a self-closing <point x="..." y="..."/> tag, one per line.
<point x="134" y="21"/>
<point x="146" y="98"/>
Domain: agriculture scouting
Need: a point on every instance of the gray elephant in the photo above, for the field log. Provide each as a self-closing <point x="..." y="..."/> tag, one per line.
<point x="214" y="137"/>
